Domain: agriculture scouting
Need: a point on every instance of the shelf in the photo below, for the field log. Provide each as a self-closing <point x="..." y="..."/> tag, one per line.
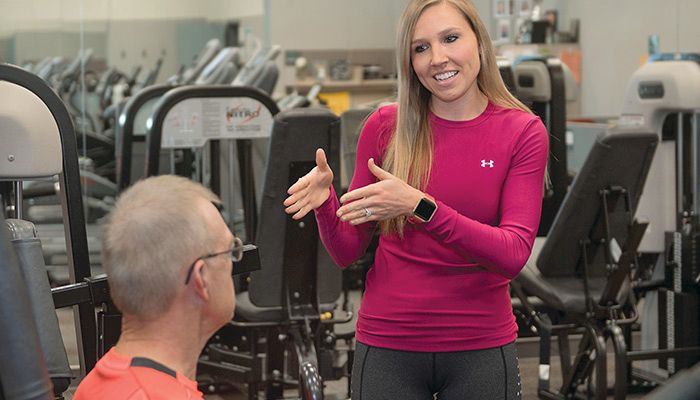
<point x="352" y="85"/>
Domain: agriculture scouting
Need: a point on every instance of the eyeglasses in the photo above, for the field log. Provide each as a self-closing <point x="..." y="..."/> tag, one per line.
<point x="236" y="253"/>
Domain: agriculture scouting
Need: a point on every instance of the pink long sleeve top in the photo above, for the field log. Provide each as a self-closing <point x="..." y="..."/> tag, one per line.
<point x="444" y="286"/>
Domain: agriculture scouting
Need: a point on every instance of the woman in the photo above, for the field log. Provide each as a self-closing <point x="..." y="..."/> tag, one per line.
<point x="452" y="176"/>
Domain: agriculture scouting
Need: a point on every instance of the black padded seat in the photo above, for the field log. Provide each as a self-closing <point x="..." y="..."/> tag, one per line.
<point x="564" y="294"/>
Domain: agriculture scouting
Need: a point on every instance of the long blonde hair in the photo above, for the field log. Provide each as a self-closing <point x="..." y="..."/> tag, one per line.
<point x="410" y="151"/>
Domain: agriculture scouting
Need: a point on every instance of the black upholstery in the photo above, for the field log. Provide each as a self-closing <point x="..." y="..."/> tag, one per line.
<point x="296" y="135"/>
<point x="563" y="293"/>
<point x="351" y="123"/>
<point x="616" y="159"/>
<point x="31" y="262"/>
<point x="23" y="372"/>
<point x="506" y="72"/>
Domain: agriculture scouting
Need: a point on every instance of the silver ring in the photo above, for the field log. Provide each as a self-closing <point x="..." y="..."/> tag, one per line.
<point x="368" y="213"/>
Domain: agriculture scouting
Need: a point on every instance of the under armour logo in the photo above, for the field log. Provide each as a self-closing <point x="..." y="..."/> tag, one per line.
<point x="484" y="163"/>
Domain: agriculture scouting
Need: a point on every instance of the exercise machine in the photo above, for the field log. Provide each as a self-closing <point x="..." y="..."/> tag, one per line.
<point x="540" y="84"/>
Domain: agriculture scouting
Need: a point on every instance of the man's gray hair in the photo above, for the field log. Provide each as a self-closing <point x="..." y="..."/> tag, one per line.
<point x="155" y="232"/>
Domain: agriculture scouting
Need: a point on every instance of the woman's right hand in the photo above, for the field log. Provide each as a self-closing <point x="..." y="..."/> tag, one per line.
<point x="311" y="190"/>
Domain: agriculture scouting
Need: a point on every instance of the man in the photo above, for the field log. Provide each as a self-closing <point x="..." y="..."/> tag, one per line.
<point x="168" y="256"/>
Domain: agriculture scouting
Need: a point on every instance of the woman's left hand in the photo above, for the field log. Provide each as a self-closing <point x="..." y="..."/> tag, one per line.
<point x="386" y="199"/>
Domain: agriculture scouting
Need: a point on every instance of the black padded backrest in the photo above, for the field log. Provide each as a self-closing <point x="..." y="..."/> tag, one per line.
<point x="616" y="159"/>
<point x="506" y="72"/>
<point x="296" y="135"/>
<point x="31" y="263"/>
<point x="23" y="373"/>
<point x="351" y="123"/>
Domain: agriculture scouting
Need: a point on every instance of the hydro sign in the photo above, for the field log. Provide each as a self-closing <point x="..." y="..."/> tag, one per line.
<point x="192" y="122"/>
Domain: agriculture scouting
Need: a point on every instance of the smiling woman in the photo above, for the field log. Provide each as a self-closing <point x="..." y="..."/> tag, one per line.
<point x="447" y="62"/>
<point x="452" y="176"/>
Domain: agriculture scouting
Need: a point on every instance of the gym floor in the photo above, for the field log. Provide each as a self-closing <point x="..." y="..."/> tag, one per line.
<point x="527" y="349"/>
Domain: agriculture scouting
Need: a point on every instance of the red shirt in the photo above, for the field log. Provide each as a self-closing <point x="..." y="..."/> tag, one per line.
<point x="444" y="286"/>
<point x="117" y="377"/>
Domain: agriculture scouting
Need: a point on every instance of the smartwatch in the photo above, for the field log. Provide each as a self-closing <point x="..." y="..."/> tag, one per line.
<point x="425" y="209"/>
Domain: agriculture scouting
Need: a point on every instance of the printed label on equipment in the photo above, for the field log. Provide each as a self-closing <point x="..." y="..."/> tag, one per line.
<point x="193" y="122"/>
<point x="631" y="120"/>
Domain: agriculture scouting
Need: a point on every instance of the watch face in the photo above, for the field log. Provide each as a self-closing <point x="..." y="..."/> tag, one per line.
<point x="425" y="209"/>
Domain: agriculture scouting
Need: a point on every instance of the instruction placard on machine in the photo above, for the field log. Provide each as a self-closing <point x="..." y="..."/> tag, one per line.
<point x="192" y="122"/>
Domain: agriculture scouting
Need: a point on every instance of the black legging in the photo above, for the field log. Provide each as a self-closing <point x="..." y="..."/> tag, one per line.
<point x="380" y="373"/>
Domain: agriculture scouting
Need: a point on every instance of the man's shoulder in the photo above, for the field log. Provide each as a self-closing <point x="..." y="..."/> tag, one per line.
<point x="136" y="383"/>
<point x="112" y="379"/>
<point x="109" y="384"/>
